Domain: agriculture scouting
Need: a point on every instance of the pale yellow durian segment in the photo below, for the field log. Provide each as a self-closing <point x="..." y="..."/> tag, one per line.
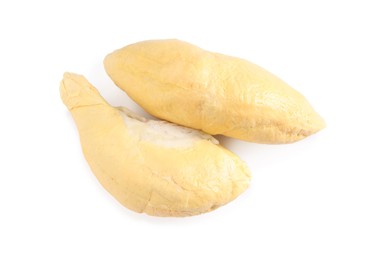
<point x="219" y="94"/>
<point x="152" y="166"/>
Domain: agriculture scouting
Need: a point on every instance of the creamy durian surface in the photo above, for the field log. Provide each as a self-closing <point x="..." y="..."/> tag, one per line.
<point x="218" y="94"/>
<point x="152" y="166"/>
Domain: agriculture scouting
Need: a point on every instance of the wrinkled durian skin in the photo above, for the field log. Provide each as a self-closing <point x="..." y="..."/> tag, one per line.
<point x="142" y="175"/>
<point x="219" y="94"/>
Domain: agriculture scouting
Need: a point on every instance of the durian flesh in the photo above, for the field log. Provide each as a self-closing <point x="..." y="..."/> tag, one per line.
<point x="151" y="166"/>
<point x="218" y="94"/>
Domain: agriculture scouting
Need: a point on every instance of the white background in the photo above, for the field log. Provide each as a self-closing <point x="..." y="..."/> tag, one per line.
<point x="327" y="197"/>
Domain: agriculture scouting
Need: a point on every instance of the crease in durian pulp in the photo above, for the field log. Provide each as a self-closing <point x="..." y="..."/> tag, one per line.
<point x="162" y="133"/>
